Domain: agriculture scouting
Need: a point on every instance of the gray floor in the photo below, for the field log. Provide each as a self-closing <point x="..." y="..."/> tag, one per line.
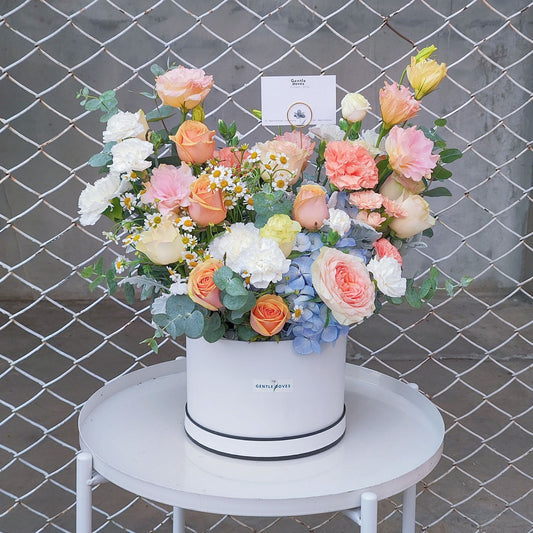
<point x="482" y="484"/>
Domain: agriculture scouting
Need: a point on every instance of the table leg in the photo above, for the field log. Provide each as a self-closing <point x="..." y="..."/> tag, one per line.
<point x="178" y="520"/>
<point x="369" y="513"/>
<point x="409" y="510"/>
<point x="84" y="470"/>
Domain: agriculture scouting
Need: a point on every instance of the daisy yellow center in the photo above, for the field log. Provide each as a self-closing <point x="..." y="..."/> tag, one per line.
<point x="283" y="160"/>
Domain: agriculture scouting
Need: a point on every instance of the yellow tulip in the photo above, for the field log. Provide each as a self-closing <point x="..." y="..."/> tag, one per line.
<point x="425" y="76"/>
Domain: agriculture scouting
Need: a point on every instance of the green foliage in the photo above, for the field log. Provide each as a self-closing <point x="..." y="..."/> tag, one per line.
<point x="107" y="103"/>
<point x="103" y="159"/>
<point x="228" y="133"/>
<point x="267" y="204"/>
<point x="437" y="191"/>
<point x="160" y="113"/>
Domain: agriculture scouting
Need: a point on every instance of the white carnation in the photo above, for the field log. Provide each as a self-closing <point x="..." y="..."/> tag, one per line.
<point x="125" y="124"/>
<point x="131" y="154"/>
<point x="95" y="199"/>
<point x="251" y="255"/>
<point x="387" y="273"/>
<point x="339" y="221"/>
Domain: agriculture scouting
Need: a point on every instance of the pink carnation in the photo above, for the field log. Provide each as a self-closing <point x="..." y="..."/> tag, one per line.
<point x="410" y="153"/>
<point x="350" y="166"/>
<point x="385" y="249"/>
<point x="296" y="137"/>
<point x="366" y="199"/>
<point x="169" y="188"/>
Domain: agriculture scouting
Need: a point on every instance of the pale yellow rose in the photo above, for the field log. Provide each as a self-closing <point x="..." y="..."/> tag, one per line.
<point x="283" y="230"/>
<point x="416" y="219"/>
<point x="163" y="244"/>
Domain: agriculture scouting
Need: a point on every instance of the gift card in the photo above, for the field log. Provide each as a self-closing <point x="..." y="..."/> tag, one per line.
<point x="299" y="101"/>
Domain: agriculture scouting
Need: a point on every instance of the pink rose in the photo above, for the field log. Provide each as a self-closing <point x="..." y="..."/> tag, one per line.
<point x="299" y="139"/>
<point x="343" y="283"/>
<point x="384" y="248"/>
<point x="350" y="166"/>
<point x="310" y="208"/>
<point x="366" y="199"/>
<point x="183" y="87"/>
<point x="194" y="142"/>
<point x="169" y="188"/>
<point x="292" y="159"/>
<point x="410" y="153"/>
<point x="397" y="104"/>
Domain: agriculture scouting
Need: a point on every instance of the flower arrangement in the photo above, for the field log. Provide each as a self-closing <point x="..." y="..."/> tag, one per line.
<point x="254" y="242"/>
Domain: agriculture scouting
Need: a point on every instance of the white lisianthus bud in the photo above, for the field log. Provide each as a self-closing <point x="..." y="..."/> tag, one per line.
<point x="354" y="107"/>
<point x="387" y="273"/>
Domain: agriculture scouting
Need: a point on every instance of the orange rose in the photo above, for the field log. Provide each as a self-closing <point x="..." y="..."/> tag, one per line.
<point x="269" y="315"/>
<point x="206" y="205"/>
<point x="202" y="288"/>
<point x="310" y="207"/>
<point x="194" y="142"/>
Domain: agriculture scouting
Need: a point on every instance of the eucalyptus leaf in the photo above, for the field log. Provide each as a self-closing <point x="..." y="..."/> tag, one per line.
<point x="235" y="287"/>
<point x="160" y="113"/>
<point x="100" y="160"/>
<point x="234" y="302"/>
<point x="246" y="333"/>
<point x="222" y="277"/>
<point x="194" y="325"/>
<point x="179" y="305"/>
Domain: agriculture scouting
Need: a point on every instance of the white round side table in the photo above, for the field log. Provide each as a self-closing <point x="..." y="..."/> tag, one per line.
<point x="131" y="434"/>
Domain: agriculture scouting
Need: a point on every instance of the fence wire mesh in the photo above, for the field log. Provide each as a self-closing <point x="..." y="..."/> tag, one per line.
<point x="471" y="354"/>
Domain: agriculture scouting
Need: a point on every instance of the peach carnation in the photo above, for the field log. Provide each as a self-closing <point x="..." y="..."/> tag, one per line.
<point x="366" y="199"/>
<point x="350" y="166"/>
<point x="372" y="218"/>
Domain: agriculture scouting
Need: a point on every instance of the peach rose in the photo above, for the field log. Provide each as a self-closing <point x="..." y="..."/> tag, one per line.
<point x="183" y="87"/>
<point x="202" y="288"/>
<point x="416" y="219"/>
<point x="194" y="141"/>
<point x="299" y="139"/>
<point x="350" y="166"/>
<point x="206" y="205"/>
<point x="161" y="244"/>
<point x="310" y="208"/>
<point x="269" y="315"/>
<point x="292" y="161"/>
<point x="343" y="283"/>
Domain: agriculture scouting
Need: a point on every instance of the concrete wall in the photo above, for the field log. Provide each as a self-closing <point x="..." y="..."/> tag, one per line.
<point x="44" y="142"/>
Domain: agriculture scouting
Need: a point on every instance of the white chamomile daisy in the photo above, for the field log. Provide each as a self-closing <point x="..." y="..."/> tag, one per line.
<point x="185" y="223"/>
<point x="153" y="220"/>
<point x="128" y="201"/>
<point x="120" y="265"/>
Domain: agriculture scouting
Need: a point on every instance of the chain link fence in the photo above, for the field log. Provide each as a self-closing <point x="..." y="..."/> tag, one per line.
<point x="471" y="354"/>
